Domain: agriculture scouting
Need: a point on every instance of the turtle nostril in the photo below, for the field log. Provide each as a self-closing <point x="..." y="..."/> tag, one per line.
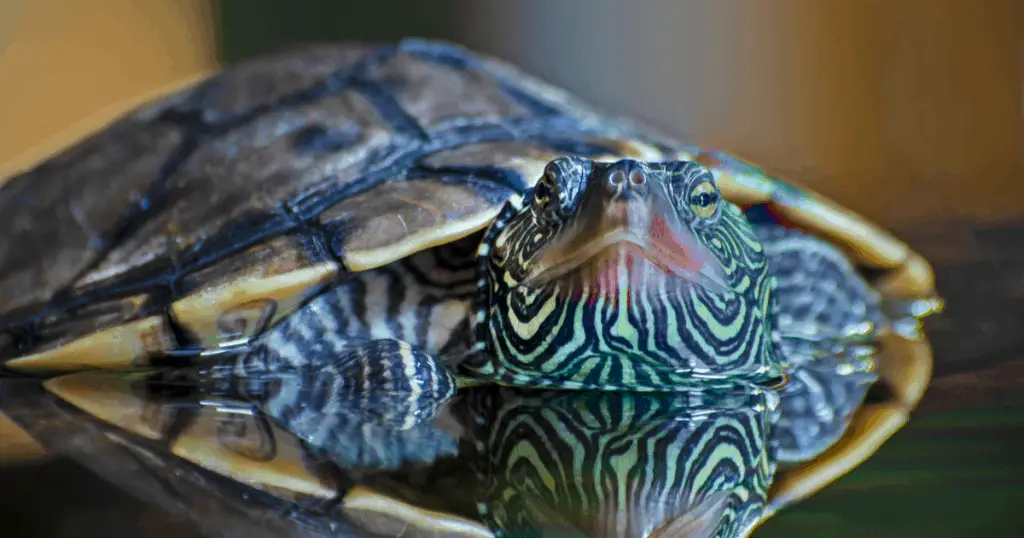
<point x="637" y="178"/>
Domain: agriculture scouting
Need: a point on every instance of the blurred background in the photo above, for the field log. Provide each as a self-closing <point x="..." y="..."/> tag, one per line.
<point x="906" y="110"/>
<point x="911" y="112"/>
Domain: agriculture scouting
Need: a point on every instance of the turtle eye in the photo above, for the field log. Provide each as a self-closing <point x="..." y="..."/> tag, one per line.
<point x="545" y="190"/>
<point x="541" y="201"/>
<point x="541" y="196"/>
<point x="704" y="199"/>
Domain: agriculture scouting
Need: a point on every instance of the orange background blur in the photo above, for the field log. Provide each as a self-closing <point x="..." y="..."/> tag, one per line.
<point x="907" y="111"/>
<point x="64" y="63"/>
<point x="68" y="66"/>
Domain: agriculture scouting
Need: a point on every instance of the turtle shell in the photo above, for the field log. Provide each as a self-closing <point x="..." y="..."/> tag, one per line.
<point x="197" y="222"/>
<point x="210" y="215"/>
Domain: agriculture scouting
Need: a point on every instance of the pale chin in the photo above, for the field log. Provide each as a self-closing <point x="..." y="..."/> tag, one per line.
<point x="625" y="272"/>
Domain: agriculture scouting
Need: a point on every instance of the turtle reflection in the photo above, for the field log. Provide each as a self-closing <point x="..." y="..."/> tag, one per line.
<point x="496" y="461"/>
<point x="559" y="463"/>
<point x="358" y="431"/>
<point x="621" y="464"/>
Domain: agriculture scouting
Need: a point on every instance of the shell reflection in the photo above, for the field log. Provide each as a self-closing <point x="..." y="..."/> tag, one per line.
<point x="495" y="462"/>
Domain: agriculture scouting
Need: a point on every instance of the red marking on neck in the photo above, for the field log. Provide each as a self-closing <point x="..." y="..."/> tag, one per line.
<point x="682" y="251"/>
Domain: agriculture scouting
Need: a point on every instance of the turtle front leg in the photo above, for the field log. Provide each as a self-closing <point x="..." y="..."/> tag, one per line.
<point x="387" y="380"/>
<point x="826" y="321"/>
<point x="831" y="328"/>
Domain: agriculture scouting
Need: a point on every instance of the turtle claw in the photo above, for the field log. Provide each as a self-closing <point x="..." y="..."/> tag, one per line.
<point x="857" y="360"/>
<point x="908" y="328"/>
<point x="227" y="406"/>
<point x="862" y="331"/>
<point x="799" y="350"/>
<point x="918" y="307"/>
<point x="907" y="315"/>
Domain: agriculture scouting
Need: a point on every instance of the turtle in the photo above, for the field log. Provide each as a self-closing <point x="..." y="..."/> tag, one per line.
<point x="416" y="218"/>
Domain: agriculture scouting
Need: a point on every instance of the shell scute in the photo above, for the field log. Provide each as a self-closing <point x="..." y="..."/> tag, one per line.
<point x="83" y="192"/>
<point x="115" y="333"/>
<point x="276" y="81"/>
<point x="253" y="451"/>
<point x="395" y="219"/>
<point x="239" y="446"/>
<point x="241" y="295"/>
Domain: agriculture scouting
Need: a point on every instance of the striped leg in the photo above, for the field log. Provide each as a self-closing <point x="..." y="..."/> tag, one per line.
<point x="826" y="323"/>
<point x="369" y="404"/>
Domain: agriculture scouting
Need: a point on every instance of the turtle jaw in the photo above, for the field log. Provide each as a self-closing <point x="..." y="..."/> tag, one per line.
<point x="638" y="233"/>
<point x="601" y="258"/>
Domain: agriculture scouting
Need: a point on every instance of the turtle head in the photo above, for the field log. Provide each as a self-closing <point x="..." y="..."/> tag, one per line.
<point x="623" y="276"/>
